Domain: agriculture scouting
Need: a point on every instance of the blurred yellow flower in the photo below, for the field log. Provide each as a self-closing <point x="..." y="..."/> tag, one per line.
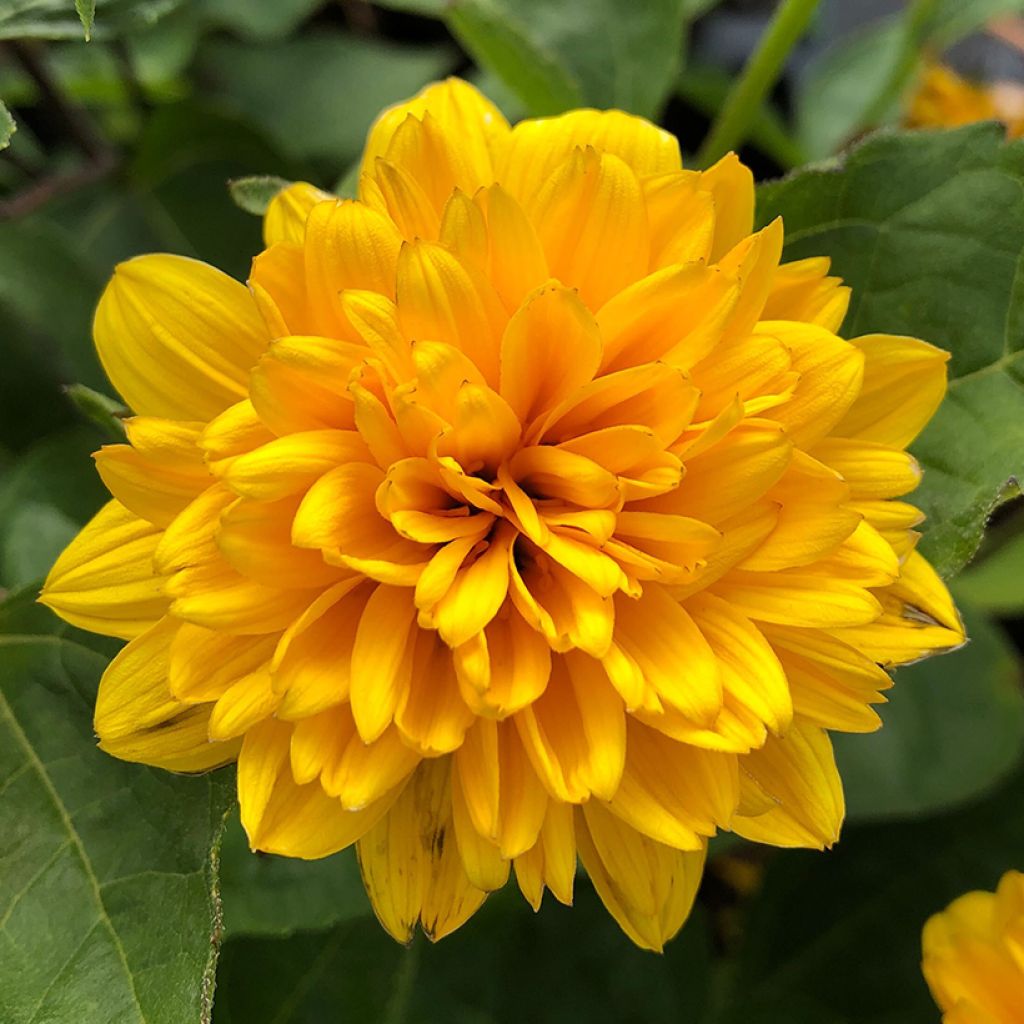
<point x="974" y="956"/>
<point x="943" y="99"/>
<point x="525" y="509"/>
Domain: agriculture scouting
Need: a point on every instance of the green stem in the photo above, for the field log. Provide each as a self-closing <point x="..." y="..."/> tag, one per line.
<point x="746" y="97"/>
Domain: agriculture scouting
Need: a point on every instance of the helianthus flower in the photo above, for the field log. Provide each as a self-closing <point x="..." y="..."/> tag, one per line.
<point x="974" y="956"/>
<point x="524" y="510"/>
<point x="945" y="99"/>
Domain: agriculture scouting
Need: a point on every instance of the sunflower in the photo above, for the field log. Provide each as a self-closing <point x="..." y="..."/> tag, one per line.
<point x="944" y="99"/>
<point x="974" y="956"/>
<point x="524" y="510"/>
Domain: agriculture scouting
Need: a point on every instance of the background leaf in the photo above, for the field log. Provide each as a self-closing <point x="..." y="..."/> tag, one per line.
<point x="510" y="966"/>
<point x="592" y="54"/>
<point x="835" y="938"/>
<point x="928" y="229"/>
<point x="953" y="729"/>
<point x="253" y="194"/>
<point x="107" y="888"/>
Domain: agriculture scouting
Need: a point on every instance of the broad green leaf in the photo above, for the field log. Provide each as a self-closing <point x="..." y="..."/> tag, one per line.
<point x="503" y="46"/>
<point x="555" y="54"/>
<point x="22" y="615"/>
<point x="953" y="729"/>
<point x="7" y="126"/>
<point x="107" y="880"/>
<point x="63" y="19"/>
<point x="56" y="474"/>
<point x="505" y="966"/>
<point x="253" y="194"/>
<point x="928" y="229"/>
<point x="996" y="583"/>
<point x="316" y="95"/>
<point x="268" y="895"/>
<point x="835" y="938"/>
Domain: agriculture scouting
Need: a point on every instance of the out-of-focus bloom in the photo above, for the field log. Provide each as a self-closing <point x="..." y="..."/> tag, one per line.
<point x="525" y="509"/>
<point x="974" y="956"/>
<point x="944" y="99"/>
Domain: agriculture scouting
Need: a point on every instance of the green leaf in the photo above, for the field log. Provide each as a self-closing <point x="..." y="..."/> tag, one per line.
<point x="257" y="19"/>
<point x="506" y="966"/>
<point x="87" y="15"/>
<point x="995" y="583"/>
<point x="836" y="938"/>
<point x="928" y="229"/>
<point x="502" y="45"/>
<point x="260" y="83"/>
<point x="57" y="474"/>
<point x="7" y="126"/>
<point x="942" y="742"/>
<point x="101" y="410"/>
<point x="268" y="895"/>
<point x="107" y="876"/>
<point x="253" y="194"/>
<point x="556" y="54"/>
<point x="49" y="287"/>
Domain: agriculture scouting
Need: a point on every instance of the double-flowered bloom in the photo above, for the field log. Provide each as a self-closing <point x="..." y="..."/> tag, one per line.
<point x="526" y="509"/>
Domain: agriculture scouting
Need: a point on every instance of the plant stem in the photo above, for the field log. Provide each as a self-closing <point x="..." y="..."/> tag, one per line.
<point x="746" y="97"/>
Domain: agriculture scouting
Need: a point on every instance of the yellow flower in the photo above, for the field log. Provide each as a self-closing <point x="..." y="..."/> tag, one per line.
<point x="944" y="99"/>
<point x="974" y="956"/>
<point x="524" y="510"/>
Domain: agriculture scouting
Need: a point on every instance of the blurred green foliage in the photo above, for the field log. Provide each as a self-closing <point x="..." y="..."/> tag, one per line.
<point x="109" y="872"/>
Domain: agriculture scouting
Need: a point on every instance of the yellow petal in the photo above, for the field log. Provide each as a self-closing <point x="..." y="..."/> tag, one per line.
<point x="831" y="372"/>
<point x="285" y="219"/>
<point x="674" y="793"/>
<point x="381" y="659"/>
<point x="482" y="860"/>
<point x="177" y="337"/>
<point x="235" y="431"/>
<point x="137" y="718"/>
<point x="872" y="470"/>
<point x="904" y="382"/>
<point x="659" y="635"/>
<point x="410" y="864"/>
<point x="592" y="206"/>
<point x="104" y="580"/>
<point x="291" y="464"/>
<point x="732" y="191"/>
<point x="285" y="818"/>
<point x="550" y="347"/>
<point x="674" y="315"/>
<point x="802" y="291"/>
<point x="439" y="300"/>
<point x="204" y="663"/>
<point x="681" y="216"/>
<point x="798" y="775"/>
<point x="348" y="245"/>
<point x="474" y="125"/>
<point x="249" y="700"/>
<point x="538" y="146"/>
<point x="646" y="886"/>
<point x="431" y="715"/>
<point x="516" y="261"/>
<point x="751" y="671"/>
